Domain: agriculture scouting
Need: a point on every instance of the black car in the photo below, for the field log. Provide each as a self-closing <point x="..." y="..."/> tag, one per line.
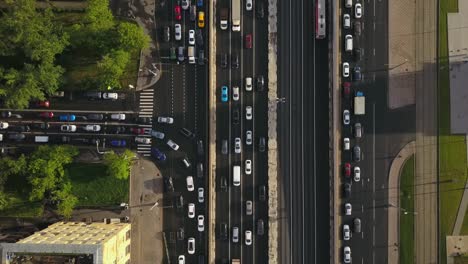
<point x="143" y="120"/>
<point x="357" y="75"/>
<point x="66" y="139"/>
<point x="17" y="136"/>
<point x="187" y="133"/>
<point x="260" y="9"/>
<point x="260" y="83"/>
<point x="261" y="144"/>
<point x="41" y="125"/>
<point x="223" y="184"/>
<point x="180" y="233"/>
<point x="262" y="193"/>
<point x="358" y="54"/>
<point x="180" y="202"/>
<point x="20" y="128"/>
<point x="260" y="227"/>
<point x="234" y="61"/>
<point x="357" y="28"/>
<point x="199" y="36"/>
<point x="116" y="129"/>
<point x="223" y="231"/>
<point x="201" y="57"/>
<point x="169" y="186"/>
<point x="97" y="117"/>
<point x="224" y="147"/>
<point x="200" y="148"/>
<point x="167" y="34"/>
<point x="236" y="116"/>
<point x="347" y="190"/>
<point x="224" y="61"/>
<point x="200" y="170"/>
<point x="357" y="153"/>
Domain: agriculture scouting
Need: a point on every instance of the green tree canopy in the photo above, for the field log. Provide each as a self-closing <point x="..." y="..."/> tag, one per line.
<point x="66" y="200"/>
<point x="111" y="68"/>
<point x="98" y="16"/>
<point x="118" y="165"/>
<point x="132" y="36"/>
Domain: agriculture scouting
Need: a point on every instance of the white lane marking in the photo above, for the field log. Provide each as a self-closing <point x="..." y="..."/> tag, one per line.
<point x="373" y="183"/>
<point x="373" y="51"/>
<point x="374" y="25"/>
<point x="373" y="4"/>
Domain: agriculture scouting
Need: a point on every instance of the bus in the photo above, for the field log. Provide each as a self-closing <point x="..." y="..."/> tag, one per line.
<point x="320" y="21"/>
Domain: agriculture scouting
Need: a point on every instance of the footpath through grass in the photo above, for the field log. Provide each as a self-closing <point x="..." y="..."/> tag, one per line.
<point x="452" y="148"/>
<point x="406" y="244"/>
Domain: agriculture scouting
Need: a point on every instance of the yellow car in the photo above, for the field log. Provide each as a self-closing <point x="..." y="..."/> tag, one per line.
<point x="201" y="19"/>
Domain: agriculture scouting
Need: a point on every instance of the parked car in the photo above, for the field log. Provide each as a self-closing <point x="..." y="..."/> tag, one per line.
<point x="201" y="19"/>
<point x="191" y="246"/>
<point x="357" y="76"/>
<point x="357" y="225"/>
<point x="157" y="154"/>
<point x="68" y="128"/>
<point x="201" y="195"/>
<point x="347" y="190"/>
<point x="97" y="117"/>
<point x="223" y="184"/>
<point x="235" y="116"/>
<point x="177" y="32"/>
<point x="224" y="94"/>
<point x="248" y="207"/>
<point x="67" y="117"/>
<point x="235" y="61"/>
<point x="199" y="37"/>
<point x="165" y="120"/>
<point x="143" y="140"/>
<point x="224" y="147"/>
<point x="185" y="4"/>
<point x="189" y="181"/>
<point x="237" y="145"/>
<point x="357" y="153"/>
<point x="118" y="117"/>
<point x="92" y="128"/>
<point x="347" y="169"/>
<point x="200" y="149"/>
<point x="201" y="223"/>
<point x="16" y="136"/>
<point x="345" y="69"/>
<point x="260" y="83"/>
<point x="177" y="13"/>
<point x="358" y="10"/>
<point x="346" y="143"/>
<point x="181" y="259"/>
<point x="348" y="209"/>
<point x="346" y="117"/>
<point x="347" y="254"/>
<point x="191" y="210"/>
<point x="357" y="174"/>
<point x="118" y="143"/>
<point x="347" y="89"/>
<point x="224" y="60"/>
<point x="110" y="96"/>
<point x="167" y="34"/>
<point x="346" y="232"/>
<point x="262" y="193"/>
<point x="260" y="227"/>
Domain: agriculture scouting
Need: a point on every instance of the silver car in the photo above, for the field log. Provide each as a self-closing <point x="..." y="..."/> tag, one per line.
<point x="346" y="117"/>
<point x="157" y="134"/>
<point x="248" y="137"/>
<point x="346" y="232"/>
<point x="237" y="145"/>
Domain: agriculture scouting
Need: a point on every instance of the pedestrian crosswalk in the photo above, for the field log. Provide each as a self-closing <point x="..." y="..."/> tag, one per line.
<point x="146" y="110"/>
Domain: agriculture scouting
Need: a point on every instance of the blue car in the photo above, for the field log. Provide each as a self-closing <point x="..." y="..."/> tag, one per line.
<point x="118" y="143"/>
<point x="224" y="94"/>
<point x="199" y="3"/>
<point x="67" y="117"/>
<point x="157" y="154"/>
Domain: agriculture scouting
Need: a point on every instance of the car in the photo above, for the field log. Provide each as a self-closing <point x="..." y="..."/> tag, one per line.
<point x="143" y="140"/>
<point x="357" y="28"/>
<point x="223" y="184"/>
<point x="357" y="54"/>
<point x="358" y="10"/>
<point x="237" y="145"/>
<point x="201" y="56"/>
<point x="248" y="137"/>
<point x="110" y="96"/>
<point x="178" y="32"/>
<point x="357" y="153"/>
<point x="260" y="83"/>
<point x="137" y="130"/>
<point x="345" y="69"/>
<point x="167" y="34"/>
<point x="346" y="21"/>
<point x="43" y="104"/>
<point x="347" y="169"/>
<point x="191" y="246"/>
<point x="187" y="133"/>
<point x="347" y="254"/>
<point x="199" y="37"/>
<point x="248" y="84"/>
<point x="358" y="130"/>
<point x="116" y="129"/>
<point x="68" y="128"/>
<point x="346" y="117"/>
<point x="41" y="125"/>
<point x="191" y="38"/>
<point x="347" y="190"/>
<point x="224" y="94"/>
<point x="223" y="231"/>
<point x="92" y="128"/>
<point x="357" y="174"/>
<point x="357" y="76"/>
<point x="189" y="181"/>
<point x="157" y="134"/>
<point x="97" y="117"/>
<point x="119" y="117"/>
<point x="118" y="143"/>
<point x="46" y="115"/>
<point x="157" y="154"/>
<point x="7" y="114"/>
<point x="248" y="237"/>
<point x="200" y="170"/>
<point x="347" y="89"/>
<point x="248" y="41"/>
<point x="201" y="19"/>
<point x="348" y="43"/>
<point x="181" y="259"/>
<point x="144" y="120"/>
<point x="180" y="203"/>
<point x="346" y="143"/>
<point x="186" y="162"/>
<point x="165" y="120"/>
<point x="235" y="116"/>
<point x="248" y="207"/>
<point x="348" y="209"/>
<point x="248" y="5"/>
<point x="191" y="210"/>
<point x="260" y="9"/>
<point x="260" y="227"/>
<point x="20" y="128"/>
<point x="234" y="61"/>
<point x="200" y="3"/>
<point x="262" y="193"/>
<point x="235" y="93"/>
<point x="193" y="13"/>
<point x="172" y="144"/>
<point x="177" y="13"/>
<point x="224" y="147"/>
<point x="200" y="148"/>
<point x="248" y="112"/>
<point x="67" y="118"/>
<point x="235" y="234"/>
<point x="201" y="223"/>
<point x="201" y="195"/>
<point x="185" y="4"/>
<point x="17" y="136"/>
<point x="346" y="232"/>
<point x="224" y="60"/>
<point x="248" y="167"/>
<point x="66" y="139"/>
<point x="262" y="144"/>
<point x="357" y="225"/>
<point x="180" y="233"/>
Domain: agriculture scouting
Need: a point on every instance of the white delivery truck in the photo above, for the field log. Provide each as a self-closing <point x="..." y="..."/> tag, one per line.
<point x="223" y="18"/>
<point x="359" y="104"/>
<point x="236" y="175"/>
<point x="41" y="139"/>
<point x="191" y="54"/>
<point x="236" y="17"/>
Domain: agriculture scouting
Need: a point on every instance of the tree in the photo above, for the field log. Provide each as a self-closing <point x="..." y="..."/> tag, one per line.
<point x="119" y="165"/>
<point x="111" y="68"/>
<point x="65" y="199"/>
<point x="131" y="36"/>
<point x="98" y="16"/>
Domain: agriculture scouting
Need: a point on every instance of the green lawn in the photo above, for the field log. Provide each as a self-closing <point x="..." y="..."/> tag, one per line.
<point x="94" y="187"/>
<point x="452" y="148"/>
<point x="407" y="221"/>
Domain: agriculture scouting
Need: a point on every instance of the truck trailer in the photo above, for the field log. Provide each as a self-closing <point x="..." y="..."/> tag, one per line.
<point x="236" y="18"/>
<point x="359" y="104"/>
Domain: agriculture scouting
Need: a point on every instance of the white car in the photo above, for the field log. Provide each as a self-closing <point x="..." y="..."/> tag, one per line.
<point x="178" y="31"/>
<point x="157" y="134"/>
<point x="165" y="120"/>
<point x="358" y="10"/>
<point x="248" y="167"/>
<point x="237" y="145"/>
<point x="201" y="223"/>
<point x="248" y="84"/>
<point x="185" y="4"/>
<point x="172" y="144"/>
<point x="4" y="125"/>
<point x="346" y="117"/>
<point x="191" y="37"/>
<point x="235" y="93"/>
<point x="346" y="21"/>
<point x="248" y="237"/>
<point x="248" y="112"/>
<point x="181" y="259"/>
<point x="346" y="232"/>
<point x="118" y="116"/>
<point x="357" y="174"/>
<point x="345" y="69"/>
<point x="346" y="143"/>
<point x="348" y="209"/>
<point x="110" y="96"/>
<point x="92" y="128"/>
<point x="143" y="140"/>
<point x="191" y="246"/>
<point x="248" y="5"/>
<point x="248" y="137"/>
<point x="189" y="181"/>
<point x="191" y="210"/>
<point x="201" y="195"/>
<point x="347" y="254"/>
<point x="68" y="128"/>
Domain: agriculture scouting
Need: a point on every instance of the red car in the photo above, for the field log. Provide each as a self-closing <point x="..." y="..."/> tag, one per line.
<point x="138" y="130"/>
<point x="346" y="89"/>
<point x="46" y="114"/>
<point x="347" y="169"/>
<point x="248" y="41"/>
<point x="177" y="12"/>
<point x="45" y="104"/>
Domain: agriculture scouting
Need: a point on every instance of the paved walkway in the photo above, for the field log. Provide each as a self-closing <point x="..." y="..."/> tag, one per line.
<point x="463" y="205"/>
<point x="394" y="199"/>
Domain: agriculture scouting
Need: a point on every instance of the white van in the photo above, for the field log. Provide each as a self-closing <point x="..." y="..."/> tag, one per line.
<point x="41" y="139"/>
<point x="349" y="43"/>
<point x="348" y="3"/>
<point x="191" y="54"/>
<point x="236" y="175"/>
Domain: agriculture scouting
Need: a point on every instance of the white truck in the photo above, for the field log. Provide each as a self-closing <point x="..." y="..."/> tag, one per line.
<point x="191" y="54"/>
<point x="359" y="104"/>
<point x="235" y="16"/>
<point x="235" y="261"/>
<point x="223" y="18"/>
